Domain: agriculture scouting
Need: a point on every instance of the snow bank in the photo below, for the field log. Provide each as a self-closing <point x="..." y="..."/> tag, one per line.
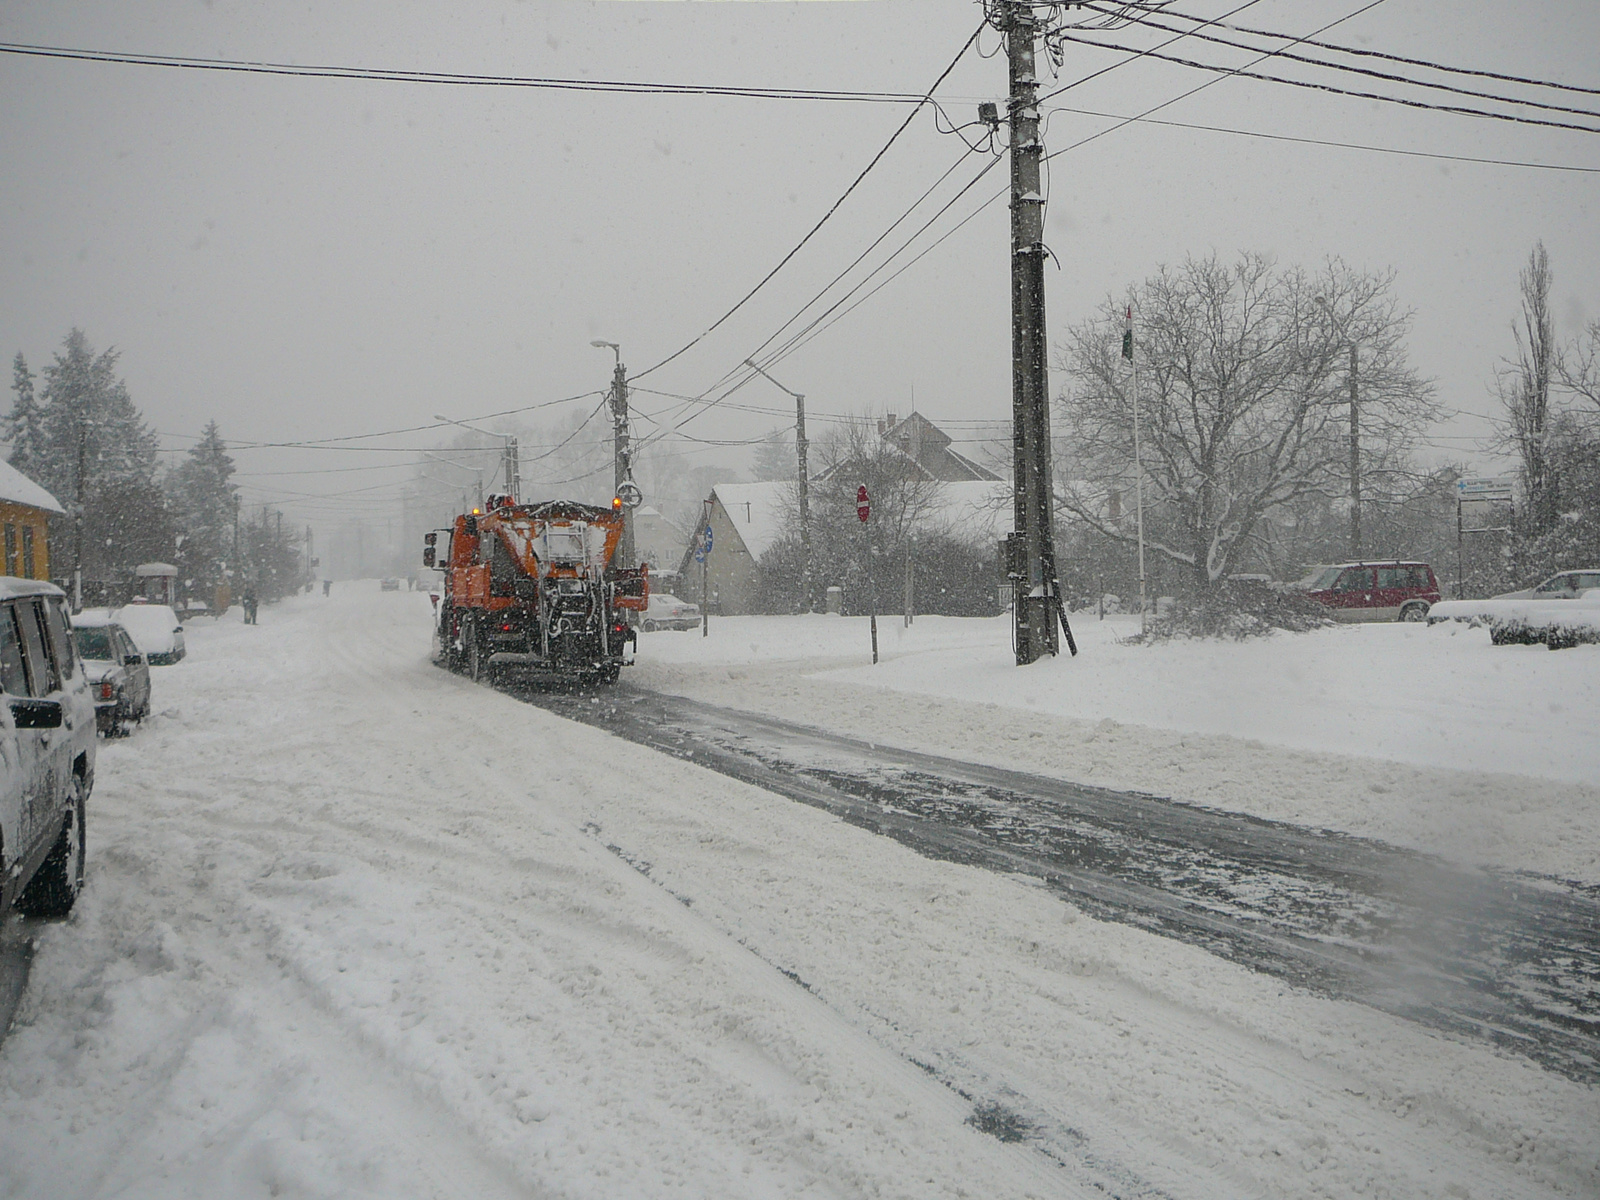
<point x="1584" y="611"/>
<point x="355" y="927"/>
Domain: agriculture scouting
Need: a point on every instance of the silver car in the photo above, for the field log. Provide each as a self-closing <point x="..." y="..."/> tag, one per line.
<point x="1568" y="585"/>
<point x="116" y="670"/>
<point x="47" y="748"/>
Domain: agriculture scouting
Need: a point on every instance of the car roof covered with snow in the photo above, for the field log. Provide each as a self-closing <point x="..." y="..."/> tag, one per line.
<point x="93" y="618"/>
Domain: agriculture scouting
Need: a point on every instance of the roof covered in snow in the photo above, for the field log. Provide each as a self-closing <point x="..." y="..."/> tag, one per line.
<point x="759" y="512"/>
<point x="975" y="511"/>
<point x="19" y="489"/>
<point x="12" y="587"/>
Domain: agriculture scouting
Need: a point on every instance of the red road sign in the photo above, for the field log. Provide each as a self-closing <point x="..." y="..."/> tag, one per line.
<point x="863" y="504"/>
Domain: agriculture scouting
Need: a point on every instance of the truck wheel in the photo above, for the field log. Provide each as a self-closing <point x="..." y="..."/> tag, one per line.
<point x="477" y="660"/>
<point x="54" y="889"/>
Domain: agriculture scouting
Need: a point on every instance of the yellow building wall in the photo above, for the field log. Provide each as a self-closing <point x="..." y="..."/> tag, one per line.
<point x="14" y="518"/>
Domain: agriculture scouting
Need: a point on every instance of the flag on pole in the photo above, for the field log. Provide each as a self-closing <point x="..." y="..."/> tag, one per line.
<point x="1127" y="336"/>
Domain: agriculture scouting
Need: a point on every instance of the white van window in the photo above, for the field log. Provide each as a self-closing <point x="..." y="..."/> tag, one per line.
<point x="13" y="678"/>
<point x="61" y="637"/>
<point x="42" y="675"/>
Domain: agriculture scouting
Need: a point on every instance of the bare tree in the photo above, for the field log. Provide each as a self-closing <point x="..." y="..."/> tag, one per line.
<point x="1579" y="369"/>
<point x="1245" y="398"/>
<point x="1524" y="389"/>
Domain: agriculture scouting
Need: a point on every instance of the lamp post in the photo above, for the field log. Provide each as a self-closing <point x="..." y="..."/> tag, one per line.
<point x="512" y="459"/>
<point x="1355" y="431"/>
<point x="624" y="488"/>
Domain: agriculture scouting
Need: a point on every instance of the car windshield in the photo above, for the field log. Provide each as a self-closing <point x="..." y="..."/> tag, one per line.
<point x="1321" y="579"/>
<point x="93" y="641"/>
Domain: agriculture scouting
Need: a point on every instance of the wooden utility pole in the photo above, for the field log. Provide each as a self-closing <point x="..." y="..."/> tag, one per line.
<point x="1034" y="583"/>
<point x="802" y="487"/>
<point x="1355" y="458"/>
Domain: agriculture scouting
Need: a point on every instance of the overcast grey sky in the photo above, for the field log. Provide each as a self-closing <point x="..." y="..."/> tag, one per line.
<point x="306" y="258"/>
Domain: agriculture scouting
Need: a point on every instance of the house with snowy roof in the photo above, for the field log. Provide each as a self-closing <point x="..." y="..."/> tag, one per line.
<point x="927" y="451"/>
<point x="745" y="520"/>
<point x="970" y="505"/>
<point x="25" y="510"/>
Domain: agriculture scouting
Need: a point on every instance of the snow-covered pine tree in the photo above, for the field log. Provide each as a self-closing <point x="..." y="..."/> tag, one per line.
<point x="96" y="436"/>
<point x="206" y="502"/>
<point x="24" y="425"/>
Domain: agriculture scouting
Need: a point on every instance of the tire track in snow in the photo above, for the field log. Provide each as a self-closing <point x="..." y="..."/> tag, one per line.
<point x="1505" y="958"/>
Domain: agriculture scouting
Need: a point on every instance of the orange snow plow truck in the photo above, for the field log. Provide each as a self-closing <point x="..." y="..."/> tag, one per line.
<point x="529" y="590"/>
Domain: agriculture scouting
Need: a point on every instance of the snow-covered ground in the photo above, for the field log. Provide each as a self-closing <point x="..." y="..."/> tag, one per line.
<point x="356" y="927"/>
<point x="1423" y="736"/>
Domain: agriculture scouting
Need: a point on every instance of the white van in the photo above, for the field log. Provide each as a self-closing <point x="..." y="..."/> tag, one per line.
<point x="47" y="745"/>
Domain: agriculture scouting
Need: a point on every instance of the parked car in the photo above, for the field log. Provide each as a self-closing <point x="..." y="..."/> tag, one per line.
<point x="1568" y="585"/>
<point x="1388" y="591"/>
<point x="47" y="734"/>
<point x="117" y="674"/>
<point x="666" y="611"/>
<point x="389" y="585"/>
<point x="155" y="629"/>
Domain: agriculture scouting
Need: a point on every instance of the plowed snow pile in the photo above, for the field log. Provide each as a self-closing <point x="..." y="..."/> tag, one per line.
<point x="358" y="928"/>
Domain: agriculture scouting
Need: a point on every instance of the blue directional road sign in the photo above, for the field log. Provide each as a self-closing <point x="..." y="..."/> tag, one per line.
<point x="704" y="547"/>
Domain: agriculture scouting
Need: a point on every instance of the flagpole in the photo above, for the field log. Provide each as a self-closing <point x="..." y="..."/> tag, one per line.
<point x="1138" y="461"/>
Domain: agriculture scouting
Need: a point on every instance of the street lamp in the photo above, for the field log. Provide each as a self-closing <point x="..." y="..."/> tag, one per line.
<point x="512" y="458"/>
<point x="622" y="466"/>
<point x="1355" y="431"/>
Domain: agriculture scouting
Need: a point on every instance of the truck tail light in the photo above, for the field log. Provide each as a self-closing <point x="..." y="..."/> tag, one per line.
<point x="107" y="691"/>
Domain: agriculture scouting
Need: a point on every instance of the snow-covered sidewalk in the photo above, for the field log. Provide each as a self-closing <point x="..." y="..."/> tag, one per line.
<point x="356" y="927"/>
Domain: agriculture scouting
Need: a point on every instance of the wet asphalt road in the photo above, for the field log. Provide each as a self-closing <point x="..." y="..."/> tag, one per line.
<point x="1509" y="958"/>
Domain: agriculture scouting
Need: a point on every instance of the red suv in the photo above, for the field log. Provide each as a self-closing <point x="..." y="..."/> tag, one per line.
<point x="1388" y="591"/>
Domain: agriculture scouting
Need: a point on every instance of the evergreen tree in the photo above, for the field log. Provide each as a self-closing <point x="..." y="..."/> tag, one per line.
<point x="774" y="458"/>
<point x="97" y="451"/>
<point x="24" y="426"/>
<point x="206" y="503"/>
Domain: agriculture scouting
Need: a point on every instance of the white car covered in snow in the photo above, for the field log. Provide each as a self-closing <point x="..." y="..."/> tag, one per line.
<point x="155" y="629"/>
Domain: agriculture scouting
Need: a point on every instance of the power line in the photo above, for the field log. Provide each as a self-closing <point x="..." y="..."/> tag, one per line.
<point x="1367" y="72"/>
<point x="801" y="337"/>
<point x="876" y="159"/>
<point x="334" y="443"/>
<point x="1308" y="141"/>
<point x="1067" y="149"/>
<point x="1398" y="58"/>
<point x="455" y="78"/>
<point x="1244" y="72"/>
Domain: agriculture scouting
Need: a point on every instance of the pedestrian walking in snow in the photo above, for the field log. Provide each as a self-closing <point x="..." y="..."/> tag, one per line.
<point x="249" y="602"/>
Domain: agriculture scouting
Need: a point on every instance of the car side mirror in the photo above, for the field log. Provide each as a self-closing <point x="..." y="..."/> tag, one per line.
<point x="36" y="714"/>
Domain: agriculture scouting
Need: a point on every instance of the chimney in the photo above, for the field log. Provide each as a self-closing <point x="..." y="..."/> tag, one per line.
<point x="880" y="426"/>
<point x="892" y="422"/>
